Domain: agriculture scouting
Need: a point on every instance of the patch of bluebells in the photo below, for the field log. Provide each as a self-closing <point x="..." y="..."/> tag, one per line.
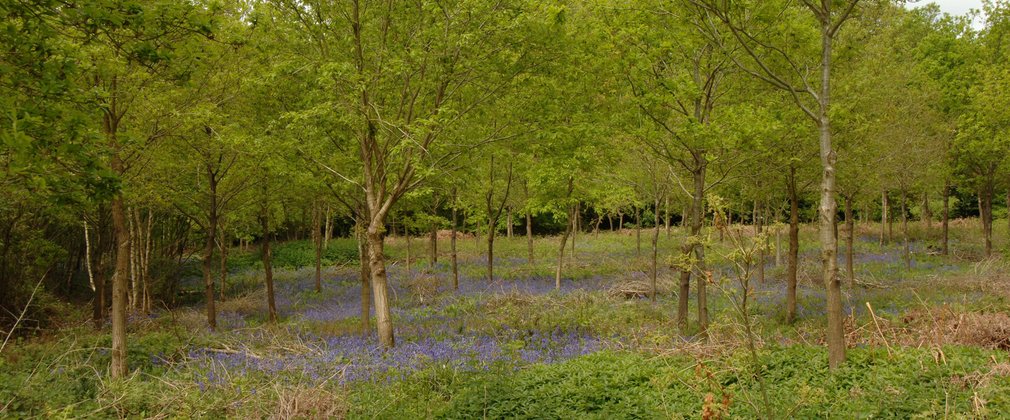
<point x="349" y="359"/>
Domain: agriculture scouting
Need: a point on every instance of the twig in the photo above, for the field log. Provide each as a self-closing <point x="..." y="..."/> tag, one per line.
<point x="879" y="331"/>
<point x="23" y="312"/>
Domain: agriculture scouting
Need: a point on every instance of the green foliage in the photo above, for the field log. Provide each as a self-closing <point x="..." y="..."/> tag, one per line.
<point x="297" y="254"/>
<point x="603" y="385"/>
<point x="911" y="383"/>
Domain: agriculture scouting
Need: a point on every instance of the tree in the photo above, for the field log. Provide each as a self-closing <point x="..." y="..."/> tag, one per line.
<point x="765" y="60"/>
<point x="398" y="102"/>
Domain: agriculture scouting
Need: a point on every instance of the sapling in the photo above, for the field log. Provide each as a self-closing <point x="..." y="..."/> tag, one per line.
<point x="743" y="259"/>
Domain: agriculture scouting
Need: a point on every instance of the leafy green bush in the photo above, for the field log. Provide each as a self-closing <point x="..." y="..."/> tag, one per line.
<point x="908" y="383"/>
<point x="602" y="385"/>
<point x="297" y="254"/>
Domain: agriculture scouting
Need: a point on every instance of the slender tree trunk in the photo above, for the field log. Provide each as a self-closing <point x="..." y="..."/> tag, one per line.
<point x="667" y="210"/>
<point x="985" y="203"/>
<point x="638" y="231"/>
<point x="946" y="214"/>
<point x="693" y="248"/>
<point x="927" y="213"/>
<point x="267" y="258"/>
<point x="119" y="283"/>
<point x="828" y="207"/>
<point x="100" y="303"/>
<point x="327" y="228"/>
<point x="223" y="264"/>
<point x="759" y="229"/>
<point x="208" y="250"/>
<point x="452" y="245"/>
<point x="890" y="222"/>
<point x="365" y="274"/>
<point x="850" y="226"/>
<point x="575" y="229"/>
<point x="407" y="234"/>
<point x="904" y="229"/>
<point x="529" y="236"/>
<point x="564" y="238"/>
<point x="654" y="272"/>
<point x="317" y="242"/>
<point x="508" y="221"/>
<point x="620" y="223"/>
<point x="91" y="275"/>
<point x="794" y="246"/>
<point x="561" y="250"/>
<point x="778" y="239"/>
<point x="490" y="251"/>
<point x="149" y="244"/>
<point x="134" y="289"/>
<point x="433" y="246"/>
<point x="883" y="218"/>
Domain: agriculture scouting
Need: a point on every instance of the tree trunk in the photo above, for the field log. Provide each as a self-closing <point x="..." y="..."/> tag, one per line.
<point x="575" y="229"/>
<point x="890" y="219"/>
<point x="850" y="226"/>
<point x="223" y="264"/>
<point x="134" y="292"/>
<point x="529" y="236"/>
<point x="927" y="213"/>
<point x="146" y="272"/>
<point x="564" y="238"/>
<point x="508" y="221"/>
<point x="828" y="207"/>
<point x="884" y="217"/>
<point x="380" y="293"/>
<point x="759" y="228"/>
<point x="208" y="250"/>
<point x="561" y="250"/>
<point x="904" y="229"/>
<point x="119" y="281"/>
<point x="655" y="253"/>
<point x="638" y="231"/>
<point x="576" y="226"/>
<point x="267" y="258"/>
<point x="317" y="241"/>
<point x="407" y="234"/>
<point x="365" y="274"/>
<point x="985" y="205"/>
<point x="327" y="228"/>
<point x="490" y="251"/>
<point x="452" y="245"/>
<point x="946" y="214"/>
<point x="778" y="239"/>
<point x="667" y="210"/>
<point x="433" y="246"/>
<point x="693" y="249"/>
<point x="794" y="246"/>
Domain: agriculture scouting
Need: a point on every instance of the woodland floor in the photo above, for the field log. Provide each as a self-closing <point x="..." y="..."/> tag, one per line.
<point x="935" y="344"/>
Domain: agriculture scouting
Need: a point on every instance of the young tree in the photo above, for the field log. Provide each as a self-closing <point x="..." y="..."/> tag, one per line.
<point x="772" y="61"/>
<point x="404" y="78"/>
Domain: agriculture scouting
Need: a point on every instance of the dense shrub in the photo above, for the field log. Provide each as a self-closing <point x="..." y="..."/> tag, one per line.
<point x="297" y="254"/>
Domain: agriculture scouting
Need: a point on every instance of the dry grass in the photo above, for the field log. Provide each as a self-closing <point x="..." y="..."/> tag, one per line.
<point x="637" y="289"/>
<point x="308" y="403"/>
<point x="423" y="288"/>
